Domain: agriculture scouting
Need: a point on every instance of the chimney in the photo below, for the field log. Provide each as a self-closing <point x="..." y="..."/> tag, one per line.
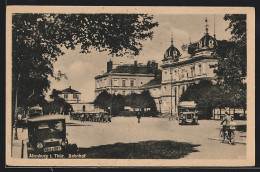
<point x="109" y="66"/>
<point x="148" y="66"/>
<point x="135" y="63"/>
<point x="135" y="67"/>
<point x="154" y="66"/>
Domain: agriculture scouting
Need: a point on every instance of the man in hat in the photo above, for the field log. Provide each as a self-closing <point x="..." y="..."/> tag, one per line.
<point x="226" y="120"/>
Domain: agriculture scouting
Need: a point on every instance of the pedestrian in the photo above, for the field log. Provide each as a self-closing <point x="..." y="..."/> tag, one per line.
<point x="138" y="116"/>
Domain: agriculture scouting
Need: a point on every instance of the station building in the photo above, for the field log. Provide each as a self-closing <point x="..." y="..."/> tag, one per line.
<point x="178" y="71"/>
<point x="126" y="78"/>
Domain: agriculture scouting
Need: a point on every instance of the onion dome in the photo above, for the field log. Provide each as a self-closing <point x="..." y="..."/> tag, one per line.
<point x="172" y="53"/>
<point x="207" y="42"/>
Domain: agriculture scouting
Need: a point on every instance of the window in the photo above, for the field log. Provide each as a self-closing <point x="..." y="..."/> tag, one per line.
<point x="211" y="43"/>
<point x="192" y="71"/>
<point x="123" y="93"/>
<point x="115" y="82"/>
<point x="65" y="96"/>
<point x="200" y="69"/>
<point x="75" y="96"/>
<point x="132" y="83"/>
<point x="123" y="83"/>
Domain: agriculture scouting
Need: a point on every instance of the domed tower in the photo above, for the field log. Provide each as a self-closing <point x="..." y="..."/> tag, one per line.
<point x="207" y="44"/>
<point x="172" y="54"/>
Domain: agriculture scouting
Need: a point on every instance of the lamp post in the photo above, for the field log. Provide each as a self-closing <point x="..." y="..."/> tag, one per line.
<point x="171" y="90"/>
<point x="111" y="95"/>
<point x="16" y="110"/>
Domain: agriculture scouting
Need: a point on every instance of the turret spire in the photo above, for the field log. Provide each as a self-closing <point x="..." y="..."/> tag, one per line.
<point x="214" y="28"/>
<point x="171" y="39"/>
<point x="206" y="26"/>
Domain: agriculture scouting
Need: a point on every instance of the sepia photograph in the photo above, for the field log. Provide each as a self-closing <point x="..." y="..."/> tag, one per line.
<point x="130" y="86"/>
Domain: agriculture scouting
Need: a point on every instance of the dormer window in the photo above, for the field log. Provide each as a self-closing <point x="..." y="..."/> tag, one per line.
<point x="211" y="43"/>
<point x="175" y="53"/>
<point x="200" y="69"/>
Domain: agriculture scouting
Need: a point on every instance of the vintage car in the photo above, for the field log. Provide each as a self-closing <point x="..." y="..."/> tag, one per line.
<point x="105" y="117"/>
<point x="96" y="117"/>
<point x="187" y="113"/>
<point x="47" y="134"/>
<point x="32" y="112"/>
<point x="35" y="111"/>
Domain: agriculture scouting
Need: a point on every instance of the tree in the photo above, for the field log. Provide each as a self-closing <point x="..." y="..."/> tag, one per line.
<point x="118" y="104"/>
<point x="37" y="41"/>
<point x="58" y="105"/>
<point x="55" y="94"/>
<point x="206" y="95"/>
<point x="103" y="100"/>
<point x="232" y="67"/>
<point x="142" y="101"/>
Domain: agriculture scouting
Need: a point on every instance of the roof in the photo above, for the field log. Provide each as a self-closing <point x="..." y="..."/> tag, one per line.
<point x="188" y="104"/>
<point x="36" y="107"/>
<point x="140" y="69"/>
<point x="153" y="82"/>
<point x="172" y="52"/>
<point x="70" y="90"/>
<point x="46" y="118"/>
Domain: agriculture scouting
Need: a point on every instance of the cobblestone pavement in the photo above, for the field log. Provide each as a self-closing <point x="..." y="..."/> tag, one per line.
<point x="127" y="130"/>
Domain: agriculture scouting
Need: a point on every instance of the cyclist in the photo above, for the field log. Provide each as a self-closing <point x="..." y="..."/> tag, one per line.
<point x="226" y="127"/>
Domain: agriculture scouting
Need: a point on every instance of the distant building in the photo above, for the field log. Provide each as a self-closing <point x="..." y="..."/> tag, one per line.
<point x="126" y="78"/>
<point x="73" y="97"/>
<point x="70" y="95"/>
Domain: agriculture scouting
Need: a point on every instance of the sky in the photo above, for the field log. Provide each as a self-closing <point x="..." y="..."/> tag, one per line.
<point x="82" y="68"/>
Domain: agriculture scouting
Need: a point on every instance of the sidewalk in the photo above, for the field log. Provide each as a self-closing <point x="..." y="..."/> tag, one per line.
<point x="17" y="144"/>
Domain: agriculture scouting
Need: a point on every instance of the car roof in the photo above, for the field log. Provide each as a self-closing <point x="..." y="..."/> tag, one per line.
<point x="45" y="118"/>
<point x="187" y="104"/>
<point x="36" y="108"/>
<point x="188" y="112"/>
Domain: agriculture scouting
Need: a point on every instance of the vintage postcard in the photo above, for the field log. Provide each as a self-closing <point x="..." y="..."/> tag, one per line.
<point x="130" y="86"/>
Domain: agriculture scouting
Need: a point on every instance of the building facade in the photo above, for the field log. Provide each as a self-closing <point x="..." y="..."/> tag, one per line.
<point x="73" y="97"/>
<point x="166" y="86"/>
<point x="126" y="78"/>
<point x="70" y="95"/>
<point x="179" y="71"/>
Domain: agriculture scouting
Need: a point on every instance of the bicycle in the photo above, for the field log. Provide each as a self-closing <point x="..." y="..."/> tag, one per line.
<point x="229" y="134"/>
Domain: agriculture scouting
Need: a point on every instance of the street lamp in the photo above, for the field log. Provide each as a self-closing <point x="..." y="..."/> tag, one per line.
<point x="171" y="89"/>
<point x="111" y="95"/>
<point x="16" y="110"/>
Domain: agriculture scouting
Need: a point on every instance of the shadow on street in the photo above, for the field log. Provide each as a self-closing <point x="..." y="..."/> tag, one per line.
<point x="164" y="149"/>
<point x="241" y="128"/>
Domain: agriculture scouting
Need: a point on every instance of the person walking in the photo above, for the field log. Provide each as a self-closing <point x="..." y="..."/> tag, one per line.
<point x="138" y="116"/>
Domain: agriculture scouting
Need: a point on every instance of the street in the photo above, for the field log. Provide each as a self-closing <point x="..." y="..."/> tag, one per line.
<point x="124" y="137"/>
